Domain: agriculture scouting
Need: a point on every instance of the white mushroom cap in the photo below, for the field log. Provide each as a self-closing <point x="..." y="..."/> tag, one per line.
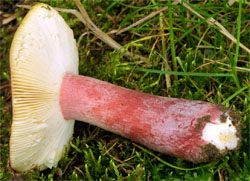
<point x="42" y="51"/>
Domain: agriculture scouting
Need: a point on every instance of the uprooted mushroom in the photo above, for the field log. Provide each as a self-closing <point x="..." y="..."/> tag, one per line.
<point x="48" y="95"/>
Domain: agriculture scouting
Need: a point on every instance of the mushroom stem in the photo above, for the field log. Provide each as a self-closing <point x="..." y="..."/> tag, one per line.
<point x="193" y="130"/>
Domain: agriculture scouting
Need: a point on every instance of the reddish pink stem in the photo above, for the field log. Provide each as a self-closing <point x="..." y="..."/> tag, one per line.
<point x="168" y="125"/>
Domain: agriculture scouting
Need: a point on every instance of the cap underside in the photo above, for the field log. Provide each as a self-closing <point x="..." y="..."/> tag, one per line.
<point x="42" y="51"/>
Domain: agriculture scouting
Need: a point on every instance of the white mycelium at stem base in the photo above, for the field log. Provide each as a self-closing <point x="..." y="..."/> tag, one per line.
<point x="42" y="51"/>
<point x="222" y="135"/>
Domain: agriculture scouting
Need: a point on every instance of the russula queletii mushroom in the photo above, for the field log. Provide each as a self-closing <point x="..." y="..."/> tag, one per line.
<point x="48" y="95"/>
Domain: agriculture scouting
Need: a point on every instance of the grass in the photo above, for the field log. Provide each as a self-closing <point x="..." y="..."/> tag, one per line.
<point x="208" y="66"/>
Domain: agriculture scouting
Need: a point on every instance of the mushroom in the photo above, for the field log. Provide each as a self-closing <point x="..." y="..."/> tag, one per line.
<point x="48" y="95"/>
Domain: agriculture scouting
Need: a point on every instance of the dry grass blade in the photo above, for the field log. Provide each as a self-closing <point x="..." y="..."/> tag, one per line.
<point x="4" y="86"/>
<point x="164" y="53"/>
<point x="72" y="11"/>
<point x="212" y="21"/>
<point x="84" y="18"/>
<point x="196" y="50"/>
<point x="151" y="15"/>
<point x="9" y="19"/>
<point x="80" y="39"/>
<point x="237" y="68"/>
<point x="101" y="35"/>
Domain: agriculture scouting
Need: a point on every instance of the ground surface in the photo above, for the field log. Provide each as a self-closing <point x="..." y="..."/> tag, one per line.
<point x="178" y="40"/>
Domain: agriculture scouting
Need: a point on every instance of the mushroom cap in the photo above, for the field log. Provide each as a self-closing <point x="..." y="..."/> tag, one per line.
<point x="42" y="52"/>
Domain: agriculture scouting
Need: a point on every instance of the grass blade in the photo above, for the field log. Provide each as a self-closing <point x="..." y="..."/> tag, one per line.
<point x="172" y="43"/>
<point x="235" y="76"/>
<point x="200" y="74"/>
<point x="169" y="164"/>
<point x="234" y="95"/>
